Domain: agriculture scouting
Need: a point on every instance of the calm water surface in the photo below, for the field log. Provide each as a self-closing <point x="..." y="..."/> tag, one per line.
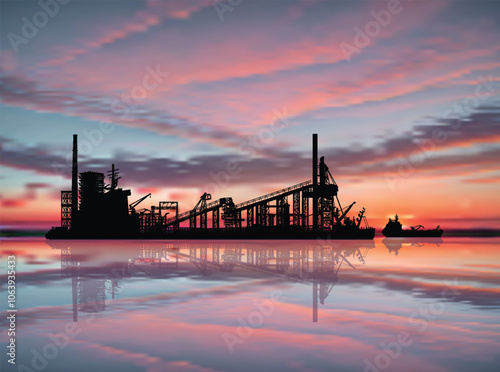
<point x="383" y="305"/>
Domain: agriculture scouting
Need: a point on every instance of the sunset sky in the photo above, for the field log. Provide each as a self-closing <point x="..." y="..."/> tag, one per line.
<point x="408" y="118"/>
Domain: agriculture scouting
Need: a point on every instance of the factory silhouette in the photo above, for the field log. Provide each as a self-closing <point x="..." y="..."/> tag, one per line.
<point x="96" y="210"/>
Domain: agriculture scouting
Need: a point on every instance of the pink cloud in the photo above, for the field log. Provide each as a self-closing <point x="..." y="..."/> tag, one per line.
<point x="244" y="56"/>
<point x="485" y="180"/>
<point x="13" y="203"/>
<point x="142" y="21"/>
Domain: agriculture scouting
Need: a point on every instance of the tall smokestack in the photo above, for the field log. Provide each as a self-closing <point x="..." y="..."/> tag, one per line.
<point x="74" y="181"/>
<point x="315" y="181"/>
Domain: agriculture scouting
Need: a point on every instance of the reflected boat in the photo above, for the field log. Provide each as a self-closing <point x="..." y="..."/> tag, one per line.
<point x="395" y="244"/>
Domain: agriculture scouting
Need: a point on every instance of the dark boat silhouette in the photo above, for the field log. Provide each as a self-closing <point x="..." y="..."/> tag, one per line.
<point x="394" y="229"/>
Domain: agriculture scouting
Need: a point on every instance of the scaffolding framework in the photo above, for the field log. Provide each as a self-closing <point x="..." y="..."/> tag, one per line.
<point x="66" y="209"/>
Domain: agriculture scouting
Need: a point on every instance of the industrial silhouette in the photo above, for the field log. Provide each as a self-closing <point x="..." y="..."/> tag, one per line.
<point x="99" y="211"/>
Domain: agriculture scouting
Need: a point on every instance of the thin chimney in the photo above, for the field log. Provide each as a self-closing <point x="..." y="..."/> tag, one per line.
<point x="315" y="181"/>
<point x="74" y="181"/>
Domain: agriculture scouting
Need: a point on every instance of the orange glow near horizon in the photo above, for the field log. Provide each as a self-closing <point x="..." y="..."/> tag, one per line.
<point x="428" y="211"/>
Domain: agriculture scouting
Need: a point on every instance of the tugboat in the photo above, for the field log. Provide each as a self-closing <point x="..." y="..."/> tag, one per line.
<point x="394" y="229"/>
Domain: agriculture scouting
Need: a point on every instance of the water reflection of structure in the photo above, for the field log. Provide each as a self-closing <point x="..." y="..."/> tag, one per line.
<point x="89" y="284"/>
<point x="395" y="244"/>
<point x="311" y="264"/>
